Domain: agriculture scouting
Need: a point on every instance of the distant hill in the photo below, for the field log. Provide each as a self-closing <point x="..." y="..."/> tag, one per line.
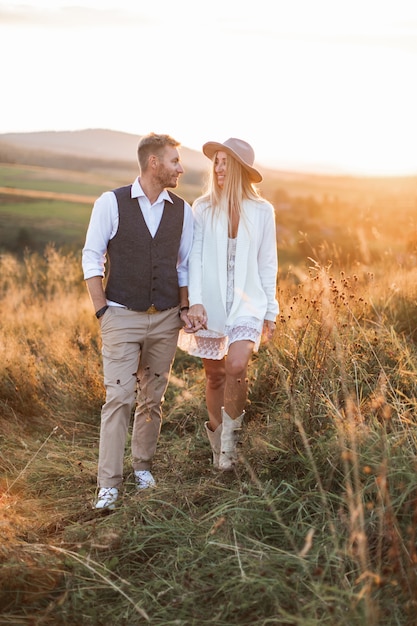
<point x="113" y="154"/>
<point x="93" y="144"/>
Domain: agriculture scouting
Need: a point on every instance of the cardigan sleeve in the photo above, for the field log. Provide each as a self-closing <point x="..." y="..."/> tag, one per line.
<point x="268" y="261"/>
<point x="195" y="270"/>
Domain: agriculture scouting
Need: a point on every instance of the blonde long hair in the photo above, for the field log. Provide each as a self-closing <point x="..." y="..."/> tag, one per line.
<point x="237" y="188"/>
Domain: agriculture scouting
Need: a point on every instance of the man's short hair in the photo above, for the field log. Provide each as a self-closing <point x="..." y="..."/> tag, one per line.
<point x="153" y="144"/>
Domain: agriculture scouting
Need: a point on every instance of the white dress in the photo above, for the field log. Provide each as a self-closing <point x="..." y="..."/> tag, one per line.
<point x="209" y="344"/>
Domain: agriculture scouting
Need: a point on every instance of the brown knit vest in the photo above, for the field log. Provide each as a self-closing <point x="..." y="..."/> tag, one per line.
<point x="143" y="268"/>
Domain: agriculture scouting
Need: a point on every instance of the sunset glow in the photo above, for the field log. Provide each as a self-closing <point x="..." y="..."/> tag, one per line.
<point x="320" y="86"/>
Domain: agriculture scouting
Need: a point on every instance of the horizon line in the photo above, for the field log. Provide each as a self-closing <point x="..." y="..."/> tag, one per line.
<point x="269" y="163"/>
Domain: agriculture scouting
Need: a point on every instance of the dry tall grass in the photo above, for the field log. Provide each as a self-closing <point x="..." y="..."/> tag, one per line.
<point x="318" y="523"/>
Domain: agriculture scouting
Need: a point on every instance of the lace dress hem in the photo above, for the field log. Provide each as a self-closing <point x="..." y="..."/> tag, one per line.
<point x="208" y="344"/>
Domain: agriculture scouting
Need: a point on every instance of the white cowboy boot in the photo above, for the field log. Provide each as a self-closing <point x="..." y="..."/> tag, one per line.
<point x="229" y="439"/>
<point x="214" y="439"/>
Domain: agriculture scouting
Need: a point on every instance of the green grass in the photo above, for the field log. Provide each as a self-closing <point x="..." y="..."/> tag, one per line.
<point x="47" y="210"/>
<point x="58" y="181"/>
<point x="34" y="224"/>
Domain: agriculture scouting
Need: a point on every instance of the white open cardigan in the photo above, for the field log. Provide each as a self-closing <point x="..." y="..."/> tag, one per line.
<point x="256" y="264"/>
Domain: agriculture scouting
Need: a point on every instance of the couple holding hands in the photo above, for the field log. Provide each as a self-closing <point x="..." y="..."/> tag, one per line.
<point x="201" y="278"/>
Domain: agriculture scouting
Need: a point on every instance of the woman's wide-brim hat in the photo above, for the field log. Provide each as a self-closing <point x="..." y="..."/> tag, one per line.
<point x="238" y="149"/>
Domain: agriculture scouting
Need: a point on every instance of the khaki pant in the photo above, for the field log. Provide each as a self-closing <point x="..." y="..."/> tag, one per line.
<point x="138" y="351"/>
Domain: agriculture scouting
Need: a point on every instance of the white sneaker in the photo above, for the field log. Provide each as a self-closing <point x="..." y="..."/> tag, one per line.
<point x="144" y="479"/>
<point x="107" y="497"/>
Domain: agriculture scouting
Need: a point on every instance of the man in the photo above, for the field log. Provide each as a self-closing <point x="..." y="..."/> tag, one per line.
<point x="146" y="233"/>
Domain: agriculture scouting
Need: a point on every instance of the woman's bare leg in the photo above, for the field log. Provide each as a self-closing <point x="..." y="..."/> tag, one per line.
<point x="236" y="385"/>
<point x="215" y="383"/>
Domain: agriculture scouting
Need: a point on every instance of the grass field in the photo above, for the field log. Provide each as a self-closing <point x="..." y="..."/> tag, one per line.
<point x="50" y="180"/>
<point x="32" y="223"/>
<point x="40" y="206"/>
<point x="318" y="525"/>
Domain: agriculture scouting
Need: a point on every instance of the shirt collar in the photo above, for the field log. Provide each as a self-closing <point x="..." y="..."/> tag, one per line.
<point x="137" y="192"/>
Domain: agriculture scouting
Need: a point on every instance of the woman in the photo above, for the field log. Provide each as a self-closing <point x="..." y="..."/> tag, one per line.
<point x="232" y="288"/>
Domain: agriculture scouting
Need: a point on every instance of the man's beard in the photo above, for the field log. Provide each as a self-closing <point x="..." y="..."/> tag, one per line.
<point x="166" y="178"/>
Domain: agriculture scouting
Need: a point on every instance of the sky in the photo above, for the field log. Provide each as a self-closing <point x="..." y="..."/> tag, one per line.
<point x="312" y="85"/>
